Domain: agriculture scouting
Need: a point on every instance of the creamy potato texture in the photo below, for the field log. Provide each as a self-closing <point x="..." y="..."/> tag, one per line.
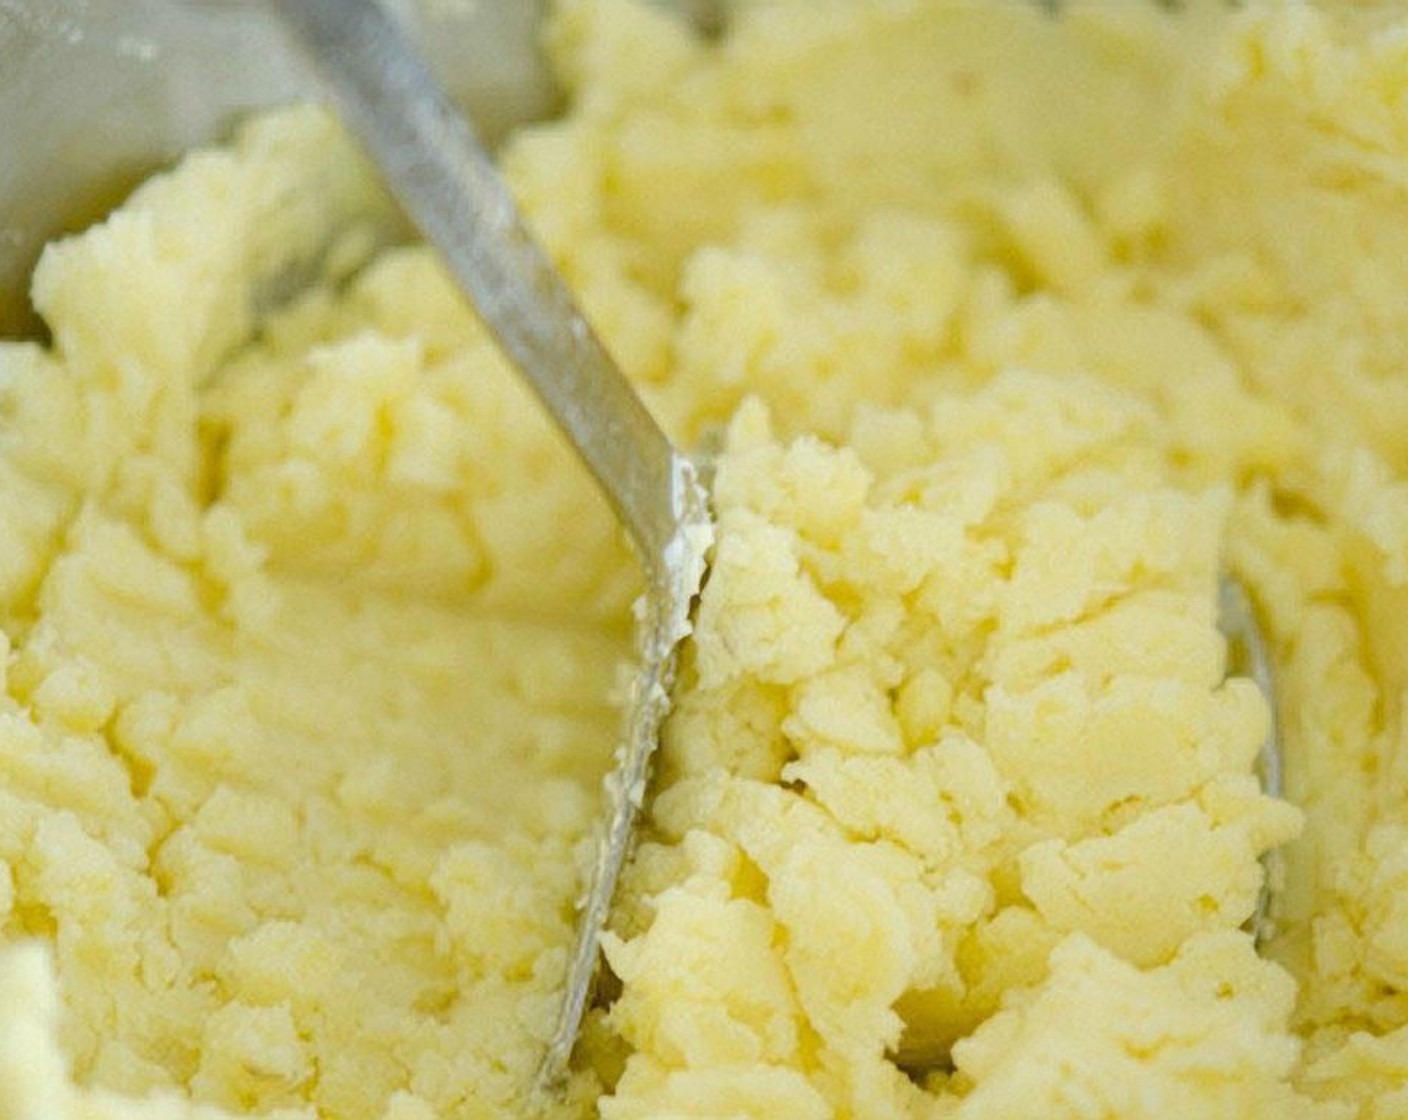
<point x="1015" y="331"/>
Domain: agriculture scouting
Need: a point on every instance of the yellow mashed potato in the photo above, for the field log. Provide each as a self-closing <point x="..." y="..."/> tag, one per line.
<point x="1020" y="331"/>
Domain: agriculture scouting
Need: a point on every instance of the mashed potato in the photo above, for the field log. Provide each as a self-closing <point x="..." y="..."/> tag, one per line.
<point x="1016" y="331"/>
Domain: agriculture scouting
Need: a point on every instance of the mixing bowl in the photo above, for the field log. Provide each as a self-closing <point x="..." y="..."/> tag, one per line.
<point x="95" y="94"/>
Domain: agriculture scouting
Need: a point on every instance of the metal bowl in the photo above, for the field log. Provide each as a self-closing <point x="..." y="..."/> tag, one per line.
<point x="96" y="94"/>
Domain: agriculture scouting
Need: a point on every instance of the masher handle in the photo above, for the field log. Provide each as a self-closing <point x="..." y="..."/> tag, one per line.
<point x="451" y="190"/>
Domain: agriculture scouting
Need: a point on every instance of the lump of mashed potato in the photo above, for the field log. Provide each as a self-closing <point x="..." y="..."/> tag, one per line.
<point x="1019" y="330"/>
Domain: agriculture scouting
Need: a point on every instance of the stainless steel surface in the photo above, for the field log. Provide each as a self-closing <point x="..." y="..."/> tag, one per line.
<point x="96" y="94"/>
<point x="1248" y="655"/>
<point x="448" y="186"/>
